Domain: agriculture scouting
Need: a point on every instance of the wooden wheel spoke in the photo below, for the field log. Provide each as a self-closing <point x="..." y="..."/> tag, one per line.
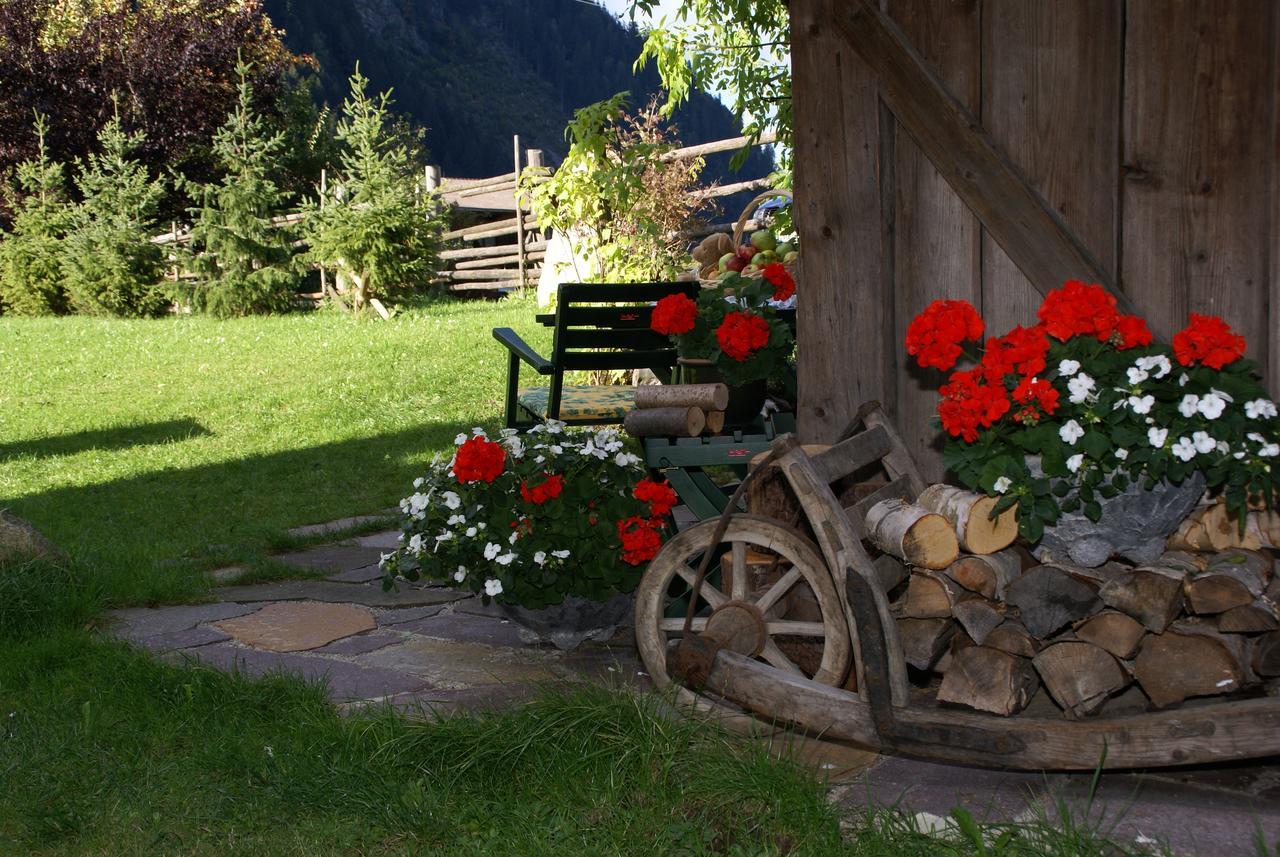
<point x="779" y="589"/>
<point x="777" y="658"/>
<point x="670" y="624"/>
<point x="796" y="628"/>
<point x="738" y="581"/>
<point x="708" y="593"/>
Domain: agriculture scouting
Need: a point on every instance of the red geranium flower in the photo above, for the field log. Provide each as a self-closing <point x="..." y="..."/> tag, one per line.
<point x="783" y="285"/>
<point x="674" y="315"/>
<point x="934" y="336"/>
<point x="1079" y="310"/>
<point x="479" y="460"/>
<point x="640" y="539"/>
<point x="1037" y="397"/>
<point x="1133" y="332"/>
<point x="1208" y="340"/>
<point x="967" y="404"/>
<point x="658" y="495"/>
<point x="742" y="334"/>
<point x="549" y="489"/>
<point x="1019" y="352"/>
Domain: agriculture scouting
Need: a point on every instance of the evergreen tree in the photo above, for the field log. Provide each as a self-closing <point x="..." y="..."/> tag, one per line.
<point x="381" y="230"/>
<point x="110" y="264"/>
<point x="244" y="264"/>
<point x="30" y="256"/>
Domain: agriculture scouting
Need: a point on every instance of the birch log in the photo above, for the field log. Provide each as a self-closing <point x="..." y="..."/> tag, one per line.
<point x="970" y="516"/>
<point x="912" y="534"/>
<point x="988" y="575"/>
<point x="708" y="397"/>
<point x="665" y="422"/>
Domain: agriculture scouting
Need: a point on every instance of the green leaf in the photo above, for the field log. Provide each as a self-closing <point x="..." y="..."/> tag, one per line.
<point x="1093" y="511"/>
<point x="1095" y="444"/>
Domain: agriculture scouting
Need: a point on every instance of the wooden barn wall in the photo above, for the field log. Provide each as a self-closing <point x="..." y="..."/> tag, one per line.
<point x="1151" y="127"/>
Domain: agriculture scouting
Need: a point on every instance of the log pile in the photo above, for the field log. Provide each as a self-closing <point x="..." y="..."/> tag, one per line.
<point x="677" y="410"/>
<point x="1194" y="624"/>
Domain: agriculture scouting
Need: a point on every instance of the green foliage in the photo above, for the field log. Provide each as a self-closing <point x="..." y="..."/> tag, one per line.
<point x="31" y="255"/>
<point x="617" y="197"/>
<point x="739" y="295"/>
<point x="244" y="263"/>
<point x="380" y="230"/>
<point x="110" y="265"/>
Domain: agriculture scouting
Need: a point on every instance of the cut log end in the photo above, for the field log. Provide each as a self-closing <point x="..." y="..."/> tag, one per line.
<point x="1079" y="676"/>
<point x="970" y="515"/>
<point x="988" y="680"/>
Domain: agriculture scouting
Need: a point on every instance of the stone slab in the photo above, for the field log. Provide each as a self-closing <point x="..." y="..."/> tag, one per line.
<point x="476" y="607"/>
<point x="187" y="639"/>
<point x="331" y="558"/>
<point x="387" y="540"/>
<point x="228" y="575"/>
<point x="448" y="665"/>
<point x="137" y="623"/>
<point x="389" y="618"/>
<point x="358" y="645"/>
<point x="368" y="574"/>
<point x="346" y="681"/>
<point x="368" y="594"/>
<point x="309" y="530"/>
<point x="298" y="626"/>
<point x="441" y="703"/>
<point x="464" y="628"/>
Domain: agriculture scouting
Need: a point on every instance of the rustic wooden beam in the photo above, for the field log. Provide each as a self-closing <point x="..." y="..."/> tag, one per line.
<point x="953" y="139"/>
<point x="730" y="145"/>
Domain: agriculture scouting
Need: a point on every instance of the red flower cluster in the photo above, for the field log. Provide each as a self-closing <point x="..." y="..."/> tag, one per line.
<point x="549" y="489"/>
<point x="1079" y="310"/>
<point x="742" y="334"/>
<point x="674" y="315"/>
<point x="1038" y="399"/>
<point x="479" y="460"/>
<point x="1132" y="331"/>
<point x="967" y="404"/>
<point x="1021" y="351"/>
<point x="1208" y="340"/>
<point x="658" y="495"/>
<point x="640" y="539"/>
<point x="783" y="285"/>
<point x="934" y="336"/>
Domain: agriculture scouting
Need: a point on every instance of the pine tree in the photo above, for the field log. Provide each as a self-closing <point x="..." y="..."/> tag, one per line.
<point x="110" y="264"/>
<point x="244" y="263"/>
<point x="381" y="230"/>
<point x="30" y="256"/>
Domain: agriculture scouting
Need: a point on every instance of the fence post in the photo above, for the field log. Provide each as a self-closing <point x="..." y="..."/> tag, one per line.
<point x="173" y="228"/>
<point x="324" y="191"/>
<point x="519" y="215"/>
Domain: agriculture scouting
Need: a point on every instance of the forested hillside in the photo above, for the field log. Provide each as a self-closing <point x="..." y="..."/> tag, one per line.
<point x="473" y="73"/>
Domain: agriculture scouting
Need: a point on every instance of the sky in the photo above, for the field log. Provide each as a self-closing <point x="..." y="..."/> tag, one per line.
<point x="664" y="7"/>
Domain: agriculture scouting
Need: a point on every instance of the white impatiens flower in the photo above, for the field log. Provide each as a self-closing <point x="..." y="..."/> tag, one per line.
<point x="1203" y="442"/>
<point x="1157" y="436"/>
<point x="1158" y="364"/>
<point x="1002" y="484"/>
<point x="491" y="550"/>
<point x="540" y="557"/>
<point x="1223" y="447"/>
<point x="515" y="445"/>
<point x="492" y="587"/>
<point x="560" y="554"/>
<point x="1142" y="404"/>
<point x="1189" y="404"/>
<point x="451" y="500"/>
<point x="1071" y="432"/>
<point x="1212" y="405"/>
<point x="1137" y="374"/>
<point x="626" y="459"/>
<point x="556" y="449"/>
<point x="1074" y="462"/>
<point x="1271" y="450"/>
<point x="1122" y="453"/>
<point x="471" y="532"/>
<point x="506" y="558"/>
<point x="1184" y="449"/>
<point x="479" y="432"/>
<point x="1260" y="409"/>
<point x="1255" y="437"/>
<point x="417" y="483"/>
<point x="513" y="538"/>
<point x="460" y="440"/>
<point x="418" y="502"/>
<point x="456" y="519"/>
<point x="415" y="543"/>
<point x="1081" y="386"/>
<point x="460" y="575"/>
<point x="1068" y="367"/>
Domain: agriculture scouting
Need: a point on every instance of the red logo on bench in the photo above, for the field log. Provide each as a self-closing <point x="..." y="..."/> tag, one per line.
<point x="737" y="453"/>
<point x="629" y="316"/>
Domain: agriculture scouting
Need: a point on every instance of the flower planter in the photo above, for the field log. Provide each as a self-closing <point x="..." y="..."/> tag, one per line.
<point x="745" y="400"/>
<point x="573" y="621"/>
<point x="1135" y="523"/>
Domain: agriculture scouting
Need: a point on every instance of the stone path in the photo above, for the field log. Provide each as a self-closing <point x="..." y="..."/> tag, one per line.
<point x="440" y="649"/>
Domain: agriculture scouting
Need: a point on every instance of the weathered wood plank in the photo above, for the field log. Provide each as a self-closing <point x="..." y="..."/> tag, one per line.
<point x="837" y="204"/>
<point x="1051" y="101"/>
<point x="1198" y="152"/>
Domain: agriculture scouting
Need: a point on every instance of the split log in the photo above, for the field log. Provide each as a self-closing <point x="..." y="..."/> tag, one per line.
<point x="970" y="516"/>
<point x="1048" y="598"/>
<point x="929" y="596"/>
<point x="978" y="616"/>
<point x="715" y="422"/>
<point x="668" y="422"/>
<point x="1216" y="526"/>
<point x="924" y="640"/>
<point x="986" y="575"/>
<point x="912" y="534"/>
<point x="708" y="397"/>
<point x="1153" y="598"/>
<point x="1182" y="663"/>
<point x="1257" y="563"/>
<point x="890" y="572"/>
<point x="770" y="494"/>
<point x="988" y="680"/>
<point x="1265" y="655"/>
<point x="1112" y="631"/>
<point x="1230" y="580"/>
<point x="1080" y="676"/>
<point x="1260" y="616"/>
<point x="1183" y="561"/>
<point x="1013" y="638"/>
<point x="1191" y="534"/>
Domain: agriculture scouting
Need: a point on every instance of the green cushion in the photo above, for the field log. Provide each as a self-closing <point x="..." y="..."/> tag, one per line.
<point x="581" y="402"/>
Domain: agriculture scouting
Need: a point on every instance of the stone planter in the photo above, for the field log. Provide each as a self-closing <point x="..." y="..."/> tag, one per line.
<point x="745" y="401"/>
<point x="1134" y="524"/>
<point x="573" y="621"/>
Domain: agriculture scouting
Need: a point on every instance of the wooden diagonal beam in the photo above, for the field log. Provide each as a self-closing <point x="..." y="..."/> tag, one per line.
<point x="953" y="139"/>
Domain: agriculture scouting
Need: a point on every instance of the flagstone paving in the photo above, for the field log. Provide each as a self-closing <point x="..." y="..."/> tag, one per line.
<point x="436" y="649"/>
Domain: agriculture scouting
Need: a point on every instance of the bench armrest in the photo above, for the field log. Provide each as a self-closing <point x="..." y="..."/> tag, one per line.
<point x="521" y="349"/>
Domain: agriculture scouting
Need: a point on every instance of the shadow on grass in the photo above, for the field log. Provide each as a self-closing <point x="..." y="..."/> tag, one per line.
<point x="118" y="437"/>
<point x="149" y="535"/>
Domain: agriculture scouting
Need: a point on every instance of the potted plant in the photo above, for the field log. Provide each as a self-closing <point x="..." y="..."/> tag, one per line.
<point x="531" y="521"/>
<point x="732" y="333"/>
<point x="1082" y="418"/>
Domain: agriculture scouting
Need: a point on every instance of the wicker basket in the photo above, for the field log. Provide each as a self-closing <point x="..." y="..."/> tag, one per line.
<point x="709" y="275"/>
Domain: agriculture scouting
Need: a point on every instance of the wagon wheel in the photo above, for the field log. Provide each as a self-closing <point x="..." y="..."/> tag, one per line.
<point x="666" y="586"/>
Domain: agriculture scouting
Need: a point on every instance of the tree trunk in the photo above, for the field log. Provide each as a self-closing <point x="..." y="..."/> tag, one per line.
<point x="912" y="534"/>
<point x="970" y="516"/>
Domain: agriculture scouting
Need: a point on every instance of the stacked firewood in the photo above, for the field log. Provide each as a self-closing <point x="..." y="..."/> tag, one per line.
<point x="677" y="410"/>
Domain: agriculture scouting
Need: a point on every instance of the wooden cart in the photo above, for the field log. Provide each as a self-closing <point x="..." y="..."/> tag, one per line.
<point x="785" y="631"/>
